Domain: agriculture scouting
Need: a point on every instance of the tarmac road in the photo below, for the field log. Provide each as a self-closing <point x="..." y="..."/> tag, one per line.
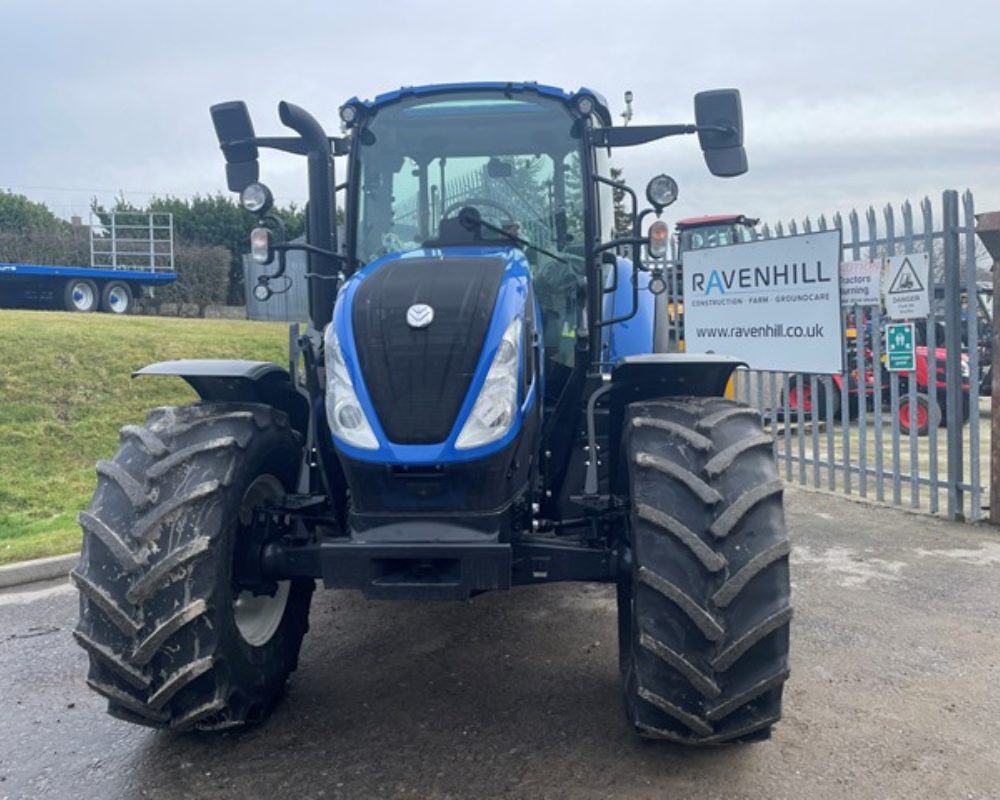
<point x="895" y="692"/>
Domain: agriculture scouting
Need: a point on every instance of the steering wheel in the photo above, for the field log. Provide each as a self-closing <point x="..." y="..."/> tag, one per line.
<point x="505" y="212"/>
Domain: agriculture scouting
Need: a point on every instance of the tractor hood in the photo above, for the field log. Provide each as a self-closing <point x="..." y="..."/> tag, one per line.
<point x="418" y="332"/>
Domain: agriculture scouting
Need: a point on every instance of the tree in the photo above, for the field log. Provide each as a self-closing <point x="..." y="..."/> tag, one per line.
<point x="623" y="220"/>
<point x="19" y="214"/>
<point x="30" y="233"/>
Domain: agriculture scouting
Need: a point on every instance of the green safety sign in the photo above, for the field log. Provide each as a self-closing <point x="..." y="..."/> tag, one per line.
<point x="899" y="346"/>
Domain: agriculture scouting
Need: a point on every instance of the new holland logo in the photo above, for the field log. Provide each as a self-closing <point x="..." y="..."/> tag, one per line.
<point x="419" y="315"/>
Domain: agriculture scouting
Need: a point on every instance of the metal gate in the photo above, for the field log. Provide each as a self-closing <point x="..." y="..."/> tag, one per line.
<point x="860" y="432"/>
<point x="133" y="240"/>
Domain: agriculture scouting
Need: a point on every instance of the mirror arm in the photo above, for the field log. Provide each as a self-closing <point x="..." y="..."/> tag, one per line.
<point x="292" y="144"/>
<point x="306" y="248"/>
<point x="636" y="134"/>
<point x="642" y="134"/>
<point x="288" y="144"/>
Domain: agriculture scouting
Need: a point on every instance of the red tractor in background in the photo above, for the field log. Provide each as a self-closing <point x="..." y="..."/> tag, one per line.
<point x="930" y="403"/>
<point x="719" y="230"/>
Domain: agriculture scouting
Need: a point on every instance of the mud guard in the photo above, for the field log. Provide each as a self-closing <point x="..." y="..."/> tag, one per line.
<point x="223" y="380"/>
<point x="643" y="377"/>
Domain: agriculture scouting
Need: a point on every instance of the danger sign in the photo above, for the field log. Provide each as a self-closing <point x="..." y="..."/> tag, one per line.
<point x="906" y="290"/>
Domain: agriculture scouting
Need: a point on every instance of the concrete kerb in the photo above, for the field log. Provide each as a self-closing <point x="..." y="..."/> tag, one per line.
<point x="39" y="569"/>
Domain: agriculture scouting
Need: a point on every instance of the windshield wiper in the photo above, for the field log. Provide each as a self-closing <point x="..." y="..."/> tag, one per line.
<point x="471" y="220"/>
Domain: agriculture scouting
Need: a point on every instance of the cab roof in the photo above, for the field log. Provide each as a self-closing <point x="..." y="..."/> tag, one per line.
<point x="697" y="222"/>
<point x="388" y="98"/>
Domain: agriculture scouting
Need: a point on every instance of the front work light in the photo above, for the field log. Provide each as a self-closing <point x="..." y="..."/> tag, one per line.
<point x="348" y="114"/>
<point x="493" y="413"/>
<point x="658" y="234"/>
<point x="256" y="198"/>
<point x="344" y="413"/>
<point x="585" y="105"/>
<point x="661" y="191"/>
<point x="260" y="245"/>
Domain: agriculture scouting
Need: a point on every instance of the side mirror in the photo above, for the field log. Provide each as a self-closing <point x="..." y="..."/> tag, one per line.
<point x="236" y="138"/>
<point x="719" y="117"/>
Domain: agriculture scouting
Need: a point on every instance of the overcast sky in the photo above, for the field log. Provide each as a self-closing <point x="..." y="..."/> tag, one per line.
<point x="845" y="104"/>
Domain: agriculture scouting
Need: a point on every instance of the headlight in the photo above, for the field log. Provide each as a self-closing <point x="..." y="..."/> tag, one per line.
<point x="256" y="198"/>
<point x="493" y="413"/>
<point x="344" y="413"/>
<point x="661" y="191"/>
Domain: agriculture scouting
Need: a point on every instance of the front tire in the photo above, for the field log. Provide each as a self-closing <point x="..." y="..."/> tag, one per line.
<point x="704" y="599"/>
<point x="174" y="640"/>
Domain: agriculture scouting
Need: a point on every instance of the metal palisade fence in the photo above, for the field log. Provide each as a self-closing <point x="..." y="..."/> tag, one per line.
<point x="902" y="428"/>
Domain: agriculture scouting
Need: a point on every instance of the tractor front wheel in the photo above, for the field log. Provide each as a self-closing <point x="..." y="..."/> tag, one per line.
<point x="703" y="601"/>
<point x="176" y="637"/>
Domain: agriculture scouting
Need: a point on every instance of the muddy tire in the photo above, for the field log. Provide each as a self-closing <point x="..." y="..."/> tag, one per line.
<point x="703" y="603"/>
<point x="172" y="641"/>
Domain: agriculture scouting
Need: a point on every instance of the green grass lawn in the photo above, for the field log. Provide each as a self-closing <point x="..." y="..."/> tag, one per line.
<point x="66" y="389"/>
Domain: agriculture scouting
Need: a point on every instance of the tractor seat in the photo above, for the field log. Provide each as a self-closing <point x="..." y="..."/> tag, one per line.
<point x="457" y="230"/>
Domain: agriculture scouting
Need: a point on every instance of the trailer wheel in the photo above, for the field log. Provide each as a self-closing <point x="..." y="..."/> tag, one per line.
<point x="81" y="295"/>
<point x="116" y="298"/>
<point x="176" y="637"/>
<point x="703" y="599"/>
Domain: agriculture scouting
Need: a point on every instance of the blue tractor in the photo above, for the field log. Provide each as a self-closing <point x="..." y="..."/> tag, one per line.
<point x="475" y="404"/>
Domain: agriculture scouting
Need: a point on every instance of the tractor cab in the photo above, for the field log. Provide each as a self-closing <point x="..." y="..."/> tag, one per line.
<point x="501" y="173"/>
<point x="698" y="233"/>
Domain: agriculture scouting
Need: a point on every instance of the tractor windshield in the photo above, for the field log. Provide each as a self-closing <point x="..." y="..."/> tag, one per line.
<point x="514" y="159"/>
<point x="721" y="235"/>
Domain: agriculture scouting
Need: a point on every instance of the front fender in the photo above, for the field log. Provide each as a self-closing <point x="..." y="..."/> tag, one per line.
<point x="644" y="377"/>
<point x="225" y="380"/>
<point x="640" y="377"/>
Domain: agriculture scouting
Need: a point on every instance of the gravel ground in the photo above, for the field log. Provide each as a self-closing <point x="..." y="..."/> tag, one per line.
<point x="894" y="692"/>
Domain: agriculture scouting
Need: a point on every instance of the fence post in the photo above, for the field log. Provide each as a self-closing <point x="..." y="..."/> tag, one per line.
<point x="953" y="354"/>
<point x="988" y="229"/>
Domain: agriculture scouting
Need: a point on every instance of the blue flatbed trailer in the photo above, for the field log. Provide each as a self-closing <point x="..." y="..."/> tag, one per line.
<point x="79" y="289"/>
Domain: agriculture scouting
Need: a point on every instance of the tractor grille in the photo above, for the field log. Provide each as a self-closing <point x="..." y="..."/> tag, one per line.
<point x="418" y="378"/>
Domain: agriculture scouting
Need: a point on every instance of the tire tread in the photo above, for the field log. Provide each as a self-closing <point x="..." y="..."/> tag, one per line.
<point x="708" y="655"/>
<point x="149" y="581"/>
